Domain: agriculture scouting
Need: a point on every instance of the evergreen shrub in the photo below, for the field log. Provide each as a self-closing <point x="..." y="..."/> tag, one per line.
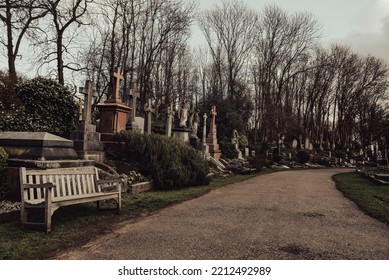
<point x="169" y="163"/>
<point x="303" y="156"/>
<point x="3" y="165"/>
<point x="45" y="106"/>
<point x="228" y="150"/>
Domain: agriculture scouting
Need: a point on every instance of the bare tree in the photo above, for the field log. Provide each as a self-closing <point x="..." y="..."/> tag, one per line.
<point x="60" y="38"/>
<point x="19" y="19"/>
<point x="230" y="33"/>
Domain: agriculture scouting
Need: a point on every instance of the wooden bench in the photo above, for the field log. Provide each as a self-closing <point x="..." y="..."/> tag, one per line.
<point x="52" y="188"/>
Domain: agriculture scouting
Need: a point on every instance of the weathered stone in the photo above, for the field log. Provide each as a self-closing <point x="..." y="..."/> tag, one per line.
<point x="37" y="146"/>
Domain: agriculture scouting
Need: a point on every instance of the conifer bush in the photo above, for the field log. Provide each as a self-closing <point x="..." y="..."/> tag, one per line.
<point x="169" y="163"/>
<point x="3" y="165"/>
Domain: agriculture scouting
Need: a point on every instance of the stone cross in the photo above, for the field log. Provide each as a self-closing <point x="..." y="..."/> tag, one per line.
<point x="89" y="93"/>
<point x="149" y="111"/>
<point x="134" y="93"/>
<point x="117" y="77"/>
<point x="213" y="121"/>
<point x="169" y="121"/>
<point x="205" y="128"/>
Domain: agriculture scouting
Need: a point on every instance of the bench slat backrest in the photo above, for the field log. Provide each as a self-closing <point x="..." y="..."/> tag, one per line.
<point x="67" y="181"/>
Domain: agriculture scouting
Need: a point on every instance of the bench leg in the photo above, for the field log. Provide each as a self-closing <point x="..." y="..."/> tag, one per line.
<point x="119" y="202"/>
<point x="48" y="212"/>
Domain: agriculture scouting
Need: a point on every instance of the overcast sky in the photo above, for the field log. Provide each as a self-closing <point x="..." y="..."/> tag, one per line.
<point x="362" y="24"/>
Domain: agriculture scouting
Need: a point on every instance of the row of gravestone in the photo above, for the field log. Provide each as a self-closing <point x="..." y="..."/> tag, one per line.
<point x="115" y="116"/>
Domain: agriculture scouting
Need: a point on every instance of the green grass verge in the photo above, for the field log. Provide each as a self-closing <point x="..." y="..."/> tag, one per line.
<point x="369" y="197"/>
<point x="76" y="225"/>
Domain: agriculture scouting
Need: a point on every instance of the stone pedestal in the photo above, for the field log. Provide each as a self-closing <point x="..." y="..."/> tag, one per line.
<point x="214" y="149"/>
<point x="87" y="142"/>
<point x="182" y="134"/>
<point x="113" y="118"/>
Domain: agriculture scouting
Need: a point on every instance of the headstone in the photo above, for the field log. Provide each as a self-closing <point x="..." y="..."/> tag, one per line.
<point x="140" y="122"/>
<point x="114" y="114"/>
<point x="294" y="144"/>
<point x="246" y="152"/>
<point x="196" y="123"/>
<point x="253" y="153"/>
<point x="117" y="78"/>
<point x="89" y="93"/>
<point x="310" y="146"/>
<point x="212" y="136"/>
<point x="148" y="109"/>
<point x="204" y="145"/>
<point x="184" y="113"/>
<point x="301" y="142"/>
<point x="169" y="121"/>
<point x="235" y="140"/>
<point x="307" y="143"/>
<point x="86" y="140"/>
<point x="134" y="95"/>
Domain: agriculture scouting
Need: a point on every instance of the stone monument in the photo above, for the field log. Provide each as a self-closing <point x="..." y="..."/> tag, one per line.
<point x="212" y="136"/>
<point x="132" y="124"/>
<point x="182" y="132"/>
<point x="204" y="145"/>
<point x="113" y="113"/>
<point x="169" y="120"/>
<point x="86" y="140"/>
<point x="235" y="140"/>
<point x="149" y="110"/>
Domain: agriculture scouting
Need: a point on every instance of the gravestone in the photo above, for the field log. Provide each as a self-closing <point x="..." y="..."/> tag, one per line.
<point x="114" y="114"/>
<point x="235" y="140"/>
<point x="212" y="136"/>
<point x="149" y="110"/>
<point x="181" y="132"/>
<point x="134" y="94"/>
<point x="169" y="120"/>
<point x="294" y="144"/>
<point x="194" y="126"/>
<point x="86" y="140"/>
<point x="204" y="146"/>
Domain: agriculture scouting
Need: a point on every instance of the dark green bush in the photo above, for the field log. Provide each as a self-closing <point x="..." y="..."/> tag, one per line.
<point x="228" y="150"/>
<point x="3" y="165"/>
<point x="45" y="106"/>
<point x="303" y="156"/>
<point x="169" y="163"/>
<point x="259" y="162"/>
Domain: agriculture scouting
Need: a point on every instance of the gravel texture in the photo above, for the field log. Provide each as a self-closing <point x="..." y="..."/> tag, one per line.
<point x="285" y="215"/>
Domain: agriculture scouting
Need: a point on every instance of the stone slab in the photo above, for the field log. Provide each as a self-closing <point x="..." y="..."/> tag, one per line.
<point x="37" y="146"/>
<point x="33" y="139"/>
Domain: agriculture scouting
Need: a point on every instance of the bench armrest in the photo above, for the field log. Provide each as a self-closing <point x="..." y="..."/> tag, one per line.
<point x="110" y="185"/>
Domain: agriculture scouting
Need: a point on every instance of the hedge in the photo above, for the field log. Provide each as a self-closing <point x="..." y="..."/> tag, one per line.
<point x="170" y="163"/>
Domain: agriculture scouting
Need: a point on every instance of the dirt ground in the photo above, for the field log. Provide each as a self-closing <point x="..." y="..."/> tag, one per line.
<point x="285" y="215"/>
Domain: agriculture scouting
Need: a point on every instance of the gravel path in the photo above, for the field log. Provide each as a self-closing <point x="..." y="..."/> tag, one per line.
<point x="285" y="215"/>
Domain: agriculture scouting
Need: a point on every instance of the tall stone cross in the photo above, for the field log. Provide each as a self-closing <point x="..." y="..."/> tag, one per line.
<point x="213" y="121"/>
<point x="149" y="111"/>
<point x="117" y="77"/>
<point x="89" y="94"/>
<point x="134" y="93"/>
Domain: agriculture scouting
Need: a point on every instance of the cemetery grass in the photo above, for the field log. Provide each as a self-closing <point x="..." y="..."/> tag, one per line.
<point x="369" y="197"/>
<point x="75" y="225"/>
